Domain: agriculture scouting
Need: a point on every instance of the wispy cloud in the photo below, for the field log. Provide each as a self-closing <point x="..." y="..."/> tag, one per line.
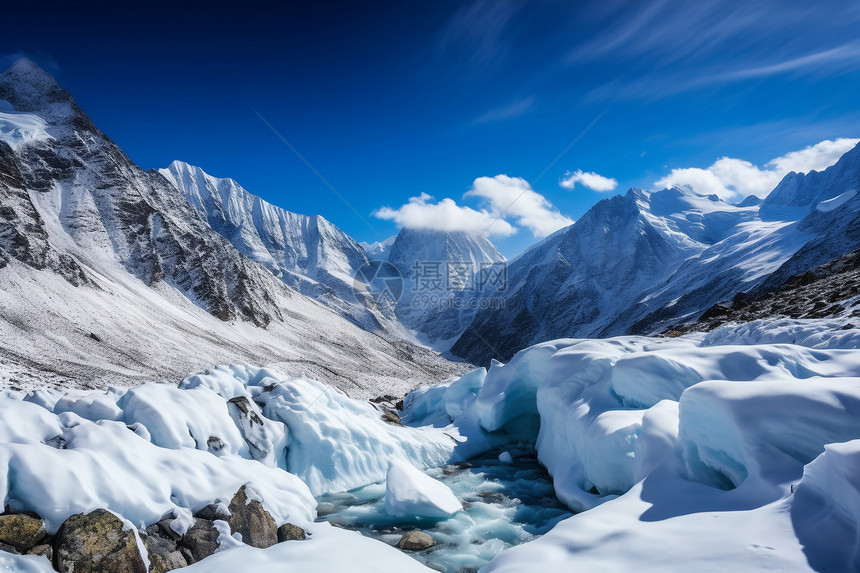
<point x="673" y="47"/>
<point x="514" y="109"/>
<point x="477" y="33"/>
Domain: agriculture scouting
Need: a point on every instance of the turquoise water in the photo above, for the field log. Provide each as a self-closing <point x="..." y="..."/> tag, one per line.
<point x="504" y="505"/>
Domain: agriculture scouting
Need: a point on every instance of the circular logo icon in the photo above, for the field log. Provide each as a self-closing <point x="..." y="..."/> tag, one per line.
<point x="377" y="283"/>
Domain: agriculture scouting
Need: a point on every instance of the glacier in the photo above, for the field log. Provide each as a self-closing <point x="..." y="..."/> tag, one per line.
<point x="665" y="443"/>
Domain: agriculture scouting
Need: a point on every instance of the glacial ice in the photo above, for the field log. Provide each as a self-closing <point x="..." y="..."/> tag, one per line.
<point x="663" y="445"/>
<point x="411" y="492"/>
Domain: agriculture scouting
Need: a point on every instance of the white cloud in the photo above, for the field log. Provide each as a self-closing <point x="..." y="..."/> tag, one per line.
<point x="732" y="179"/>
<point x="591" y="180"/>
<point x="514" y="197"/>
<point x="446" y="215"/>
<point x="507" y="199"/>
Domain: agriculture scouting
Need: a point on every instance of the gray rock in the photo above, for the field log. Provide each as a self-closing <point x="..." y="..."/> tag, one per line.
<point x="162" y="546"/>
<point x="44" y="550"/>
<point x="415" y="541"/>
<point x="96" y="543"/>
<point x="290" y="532"/>
<point x="21" y="530"/>
<point x="255" y="524"/>
<point x="199" y="542"/>
<point x="213" y="511"/>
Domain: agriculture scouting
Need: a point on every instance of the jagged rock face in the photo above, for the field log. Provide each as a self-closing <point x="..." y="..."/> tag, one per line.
<point x="79" y="177"/>
<point x="94" y="543"/>
<point x="307" y="253"/>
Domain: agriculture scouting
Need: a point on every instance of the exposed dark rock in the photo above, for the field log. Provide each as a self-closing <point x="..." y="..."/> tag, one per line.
<point x="252" y="521"/>
<point x="213" y="511"/>
<point x="96" y="543"/>
<point x="199" y="542"/>
<point x="822" y="292"/>
<point x="391" y="417"/>
<point x="22" y="531"/>
<point x="161" y="544"/>
<point x="415" y="541"/>
<point x="249" y="418"/>
<point x="290" y="532"/>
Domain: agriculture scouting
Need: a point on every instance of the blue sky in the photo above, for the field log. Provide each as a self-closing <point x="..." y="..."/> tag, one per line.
<point x="464" y="106"/>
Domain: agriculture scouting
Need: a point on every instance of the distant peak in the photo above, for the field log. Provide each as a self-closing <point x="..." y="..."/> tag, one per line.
<point x="28" y="71"/>
<point x="29" y="88"/>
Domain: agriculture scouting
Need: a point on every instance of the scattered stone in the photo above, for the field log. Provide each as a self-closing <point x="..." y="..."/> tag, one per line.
<point x="492" y="497"/>
<point x="415" y="541"/>
<point x="199" y="542"/>
<point x="23" y="531"/>
<point x="252" y="521"/>
<point x="44" y="549"/>
<point x="8" y="548"/>
<point x="391" y="417"/>
<point x="249" y="418"/>
<point x="290" y="532"/>
<point x="161" y="544"/>
<point x="215" y="444"/>
<point x="214" y="511"/>
<point x="96" y="543"/>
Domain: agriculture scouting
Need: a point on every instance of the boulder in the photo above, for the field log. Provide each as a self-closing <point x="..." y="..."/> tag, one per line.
<point x="162" y="546"/>
<point x="22" y="531"/>
<point x="199" y="542"/>
<point x="96" y="542"/>
<point x="248" y="518"/>
<point x="415" y="541"/>
<point x="290" y="532"/>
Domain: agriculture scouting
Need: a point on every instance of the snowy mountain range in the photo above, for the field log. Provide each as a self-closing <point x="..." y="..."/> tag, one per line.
<point x="112" y="274"/>
<point x="635" y="264"/>
<point x="110" y="249"/>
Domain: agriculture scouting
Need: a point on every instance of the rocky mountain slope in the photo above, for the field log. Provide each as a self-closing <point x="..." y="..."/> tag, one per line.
<point x="110" y="275"/>
<point x="829" y="290"/>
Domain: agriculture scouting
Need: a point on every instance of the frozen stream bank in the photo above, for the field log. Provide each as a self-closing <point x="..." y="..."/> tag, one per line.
<point x="504" y="504"/>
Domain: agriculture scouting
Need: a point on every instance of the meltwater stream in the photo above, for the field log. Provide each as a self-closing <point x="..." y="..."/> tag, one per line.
<point x="505" y="504"/>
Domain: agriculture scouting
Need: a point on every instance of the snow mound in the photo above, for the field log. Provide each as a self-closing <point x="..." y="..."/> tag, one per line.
<point x="826" y="508"/>
<point x="329" y="549"/>
<point x="411" y="492"/>
<point x="665" y="445"/>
